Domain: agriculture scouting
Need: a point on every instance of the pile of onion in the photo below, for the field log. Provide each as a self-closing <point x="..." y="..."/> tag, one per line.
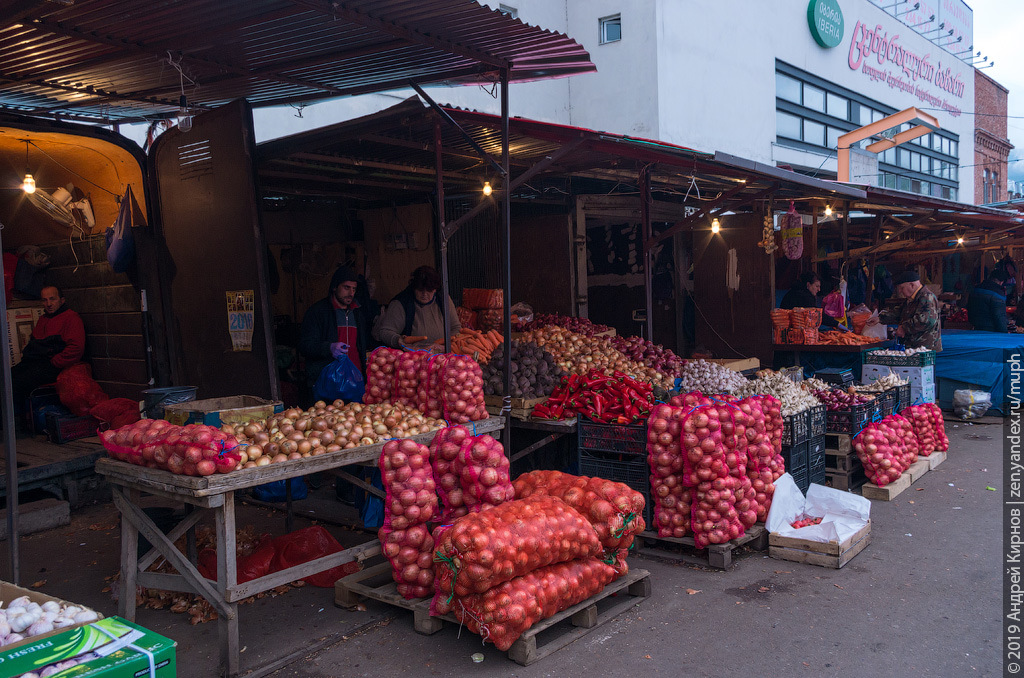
<point x="411" y="503"/>
<point x="765" y="464"/>
<point x="296" y="434"/>
<point x="193" y="450"/>
<point x="483" y="471"/>
<point x="886" y="449"/>
<point x="462" y="389"/>
<point x="444" y="450"/>
<point x="929" y="428"/>
<point x="380" y="375"/>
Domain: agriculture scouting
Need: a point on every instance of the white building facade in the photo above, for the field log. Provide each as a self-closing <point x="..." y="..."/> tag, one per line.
<point x="774" y="81"/>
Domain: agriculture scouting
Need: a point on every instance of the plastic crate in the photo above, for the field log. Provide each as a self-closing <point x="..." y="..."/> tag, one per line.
<point x="818" y="477"/>
<point x="886" y="401"/>
<point x="917" y="360"/>
<point x="816" y="417"/>
<point x="853" y="420"/>
<point x="795" y="457"/>
<point x="816" y="456"/>
<point x="635" y="474"/>
<point x="63" y="428"/>
<point x="796" y="428"/>
<point x="901" y="397"/>
<point x="628" y="439"/>
<point x="802" y="480"/>
<point x="840" y="376"/>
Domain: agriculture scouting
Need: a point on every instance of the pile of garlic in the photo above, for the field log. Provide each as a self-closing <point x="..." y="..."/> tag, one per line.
<point x="708" y="378"/>
<point x="23" y="619"/>
<point x="792" y="398"/>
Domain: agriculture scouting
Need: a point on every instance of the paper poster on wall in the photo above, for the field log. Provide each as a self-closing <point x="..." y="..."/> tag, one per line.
<point x="241" y="315"/>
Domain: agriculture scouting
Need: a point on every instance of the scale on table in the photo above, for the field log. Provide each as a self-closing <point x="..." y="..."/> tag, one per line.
<point x="640" y="316"/>
<point x="839" y="376"/>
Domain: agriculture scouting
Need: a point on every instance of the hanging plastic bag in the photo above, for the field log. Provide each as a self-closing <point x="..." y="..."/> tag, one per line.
<point x="834" y="306"/>
<point x="275" y="491"/>
<point x="792" y="234"/>
<point x="341" y="379"/>
<point x="120" y="241"/>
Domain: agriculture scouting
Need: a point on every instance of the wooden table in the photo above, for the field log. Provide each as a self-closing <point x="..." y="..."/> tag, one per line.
<point x="216" y="494"/>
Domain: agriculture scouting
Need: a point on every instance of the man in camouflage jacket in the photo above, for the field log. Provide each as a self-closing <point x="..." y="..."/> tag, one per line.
<point x="919" y="318"/>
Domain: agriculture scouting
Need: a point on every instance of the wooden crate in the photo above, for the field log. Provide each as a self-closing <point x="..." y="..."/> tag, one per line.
<point x="376" y="583"/>
<point x="839" y="462"/>
<point x="846" y="481"/>
<point x="889" y="492"/>
<point x="684" y="549"/>
<point x="737" y="364"/>
<point x="517" y="403"/>
<point x="832" y="554"/>
<point x="838" y="443"/>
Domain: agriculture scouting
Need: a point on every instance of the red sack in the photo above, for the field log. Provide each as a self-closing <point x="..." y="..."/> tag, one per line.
<point x="467" y="317"/>
<point x="886" y="449"/>
<point x="117" y="412"/>
<point x="310" y="543"/>
<point x="615" y="510"/>
<point x="504" y="612"/>
<point x="670" y="495"/>
<point x="462" y="390"/>
<point x="929" y="428"/>
<point x="125" y="443"/>
<point x="411" y="502"/>
<point x="380" y="375"/>
<point x="482" y="550"/>
<point x="78" y="391"/>
<point x="253" y="566"/>
<point x="477" y="299"/>
<point x="484" y="473"/>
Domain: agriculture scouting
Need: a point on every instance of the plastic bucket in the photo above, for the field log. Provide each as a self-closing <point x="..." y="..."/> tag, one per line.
<point x="154" y="399"/>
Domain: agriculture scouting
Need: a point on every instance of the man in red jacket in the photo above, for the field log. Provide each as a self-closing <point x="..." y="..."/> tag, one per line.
<point x="58" y="341"/>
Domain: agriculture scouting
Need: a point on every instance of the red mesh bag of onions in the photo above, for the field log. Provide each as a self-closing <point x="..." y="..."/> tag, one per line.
<point x="765" y="465"/>
<point x="462" y="389"/>
<point x="929" y="428"/>
<point x="670" y="495"/>
<point x="482" y="550"/>
<point x="483" y="471"/>
<point x="411" y="502"/>
<point x="444" y="450"/>
<point x="194" y="450"/>
<point x="410" y="365"/>
<point x="380" y="375"/>
<point x="886" y="449"/>
<point x="615" y="510"/>
<point x="125" y="443"/>
<point x="501" y="614"/>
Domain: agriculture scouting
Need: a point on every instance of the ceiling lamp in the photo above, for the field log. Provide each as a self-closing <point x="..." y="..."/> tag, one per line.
<point x="28" y="184"/>
<point x="715" y="225"/>
<point x="487" y="188"/>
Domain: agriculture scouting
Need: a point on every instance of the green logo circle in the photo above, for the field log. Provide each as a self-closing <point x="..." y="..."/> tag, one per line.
<point x="825" y="19"/>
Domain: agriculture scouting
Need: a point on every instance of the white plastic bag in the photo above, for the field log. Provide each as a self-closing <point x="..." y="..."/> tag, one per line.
<point x="969" y="404"/>
<point x="878" y="331"/>
<point x="842" y="514"/>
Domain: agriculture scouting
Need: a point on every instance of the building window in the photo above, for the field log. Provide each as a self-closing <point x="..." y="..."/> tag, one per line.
<point x="787" y="88"/>
<point x="611" y="28"/>
<point x="838" y="107"/>
<point x="787" y="125"/>
<point x="814" y="98"/>
<point x="995" y="187"/>
<point x="509" y="10"/>
<point x="986" y="196"/>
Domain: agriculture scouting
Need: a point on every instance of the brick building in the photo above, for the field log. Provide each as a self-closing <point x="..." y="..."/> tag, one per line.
<point x="991" y="145"/>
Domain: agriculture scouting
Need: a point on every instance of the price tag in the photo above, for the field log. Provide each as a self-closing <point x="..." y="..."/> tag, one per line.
<point x="241" y="317"/>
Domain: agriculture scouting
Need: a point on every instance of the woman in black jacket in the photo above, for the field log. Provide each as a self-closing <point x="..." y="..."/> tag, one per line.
<point x="804" y="294"/>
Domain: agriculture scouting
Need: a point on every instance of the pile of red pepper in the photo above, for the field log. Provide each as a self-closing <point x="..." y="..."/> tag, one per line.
<point x="615" y="399"/>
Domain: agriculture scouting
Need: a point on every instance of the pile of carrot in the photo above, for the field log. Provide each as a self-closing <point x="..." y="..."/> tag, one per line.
<point x="478" y="344"/>
<point x="845" y="339"/>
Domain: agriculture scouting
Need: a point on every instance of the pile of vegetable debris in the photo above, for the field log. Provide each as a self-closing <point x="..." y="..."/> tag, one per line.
<point x="615" y="399"/>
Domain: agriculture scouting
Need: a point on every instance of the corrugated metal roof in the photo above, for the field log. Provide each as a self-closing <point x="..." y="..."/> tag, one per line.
<point x="118" y="60"/>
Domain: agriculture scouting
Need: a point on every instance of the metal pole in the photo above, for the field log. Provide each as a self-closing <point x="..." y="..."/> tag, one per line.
<point x="10" y="447"/>
<point x="645" y="218"/>
<point x="442" y="241"/>
<point x="506" y="209"/>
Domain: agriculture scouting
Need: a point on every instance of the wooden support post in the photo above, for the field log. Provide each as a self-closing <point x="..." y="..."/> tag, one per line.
<point x="129" y="562"/>
<point x="814" y="238"/>
<point x="442" y="240"/>
<point x="227" y="577"/>
<point x="645" y="217"/>
<point x="846" y="231"/>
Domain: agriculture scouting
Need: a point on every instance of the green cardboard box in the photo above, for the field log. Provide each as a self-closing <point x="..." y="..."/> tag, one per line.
<point x="111" y="648"/>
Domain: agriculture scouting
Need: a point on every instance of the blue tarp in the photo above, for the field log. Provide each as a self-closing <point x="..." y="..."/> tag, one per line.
<point x="977" y="358"/>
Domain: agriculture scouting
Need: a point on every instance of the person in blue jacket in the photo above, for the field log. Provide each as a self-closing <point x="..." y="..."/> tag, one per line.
<point x="986" y="307"/>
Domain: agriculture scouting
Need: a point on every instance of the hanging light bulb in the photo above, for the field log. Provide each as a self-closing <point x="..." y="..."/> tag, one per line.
<point x="28" y="184"/>
<point x="184" y="116"/>
<point x="828" y="210"/>
<point x="487" y="188"/>
<point x="715" y="225"/>
<point x="959" y="240"/>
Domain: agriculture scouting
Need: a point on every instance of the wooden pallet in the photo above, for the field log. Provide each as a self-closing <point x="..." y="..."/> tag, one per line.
<point x="839" y="461"/>
<point x="840" y="443"/>
<point x="847" y="481"/>
<point x="377" y="584"/>
<point x="934" y="459"/>
<point x="889" y="492"/>
<point x="918" y="469"/>
<point x="684" y="549"/>
<point x="832" y="554"/>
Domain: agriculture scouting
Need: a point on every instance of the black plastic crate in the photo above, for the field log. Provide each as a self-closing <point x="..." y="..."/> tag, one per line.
<point x="796" y="428"/>
<point x="817" y="477"/>
<point x="802" y="480"/>
<point x="816" y="451"/>
<point x="635" y="474"/>
<point x="796" y="457"/>
<point x="840" y="376"/>
<point x="63" y="428"/>
<point x="816" y="417"/>
<point x="901" y="397"/>
<point x="886" y="402"/>
<point x="625" y="439"/>
<point x="853" y="420"/>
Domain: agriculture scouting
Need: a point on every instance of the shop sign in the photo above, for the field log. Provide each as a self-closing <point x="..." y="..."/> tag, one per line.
<point x="241" y="316"/>
<point x="825" y="19"/>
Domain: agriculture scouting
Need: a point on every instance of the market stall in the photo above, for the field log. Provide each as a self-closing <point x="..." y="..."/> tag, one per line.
<point x="976" y="360"/>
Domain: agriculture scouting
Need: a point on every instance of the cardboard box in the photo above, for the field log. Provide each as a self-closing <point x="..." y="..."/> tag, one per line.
<point x="20" y="322"/>
<point x="9" y="592"/>
<point x="111" y="648"/>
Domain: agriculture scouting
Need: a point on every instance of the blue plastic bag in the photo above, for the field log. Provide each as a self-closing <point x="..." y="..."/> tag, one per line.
<point x="275" y="491"/>
<point x="120" y="241"/>
<point x="341" y="379"/>
<point x="371" y="507"/>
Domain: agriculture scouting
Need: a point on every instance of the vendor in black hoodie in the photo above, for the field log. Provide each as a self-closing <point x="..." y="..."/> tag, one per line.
<point x="804" y="294"/>
<point x="336" y="325"/>
<point x="986" y="307"/>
